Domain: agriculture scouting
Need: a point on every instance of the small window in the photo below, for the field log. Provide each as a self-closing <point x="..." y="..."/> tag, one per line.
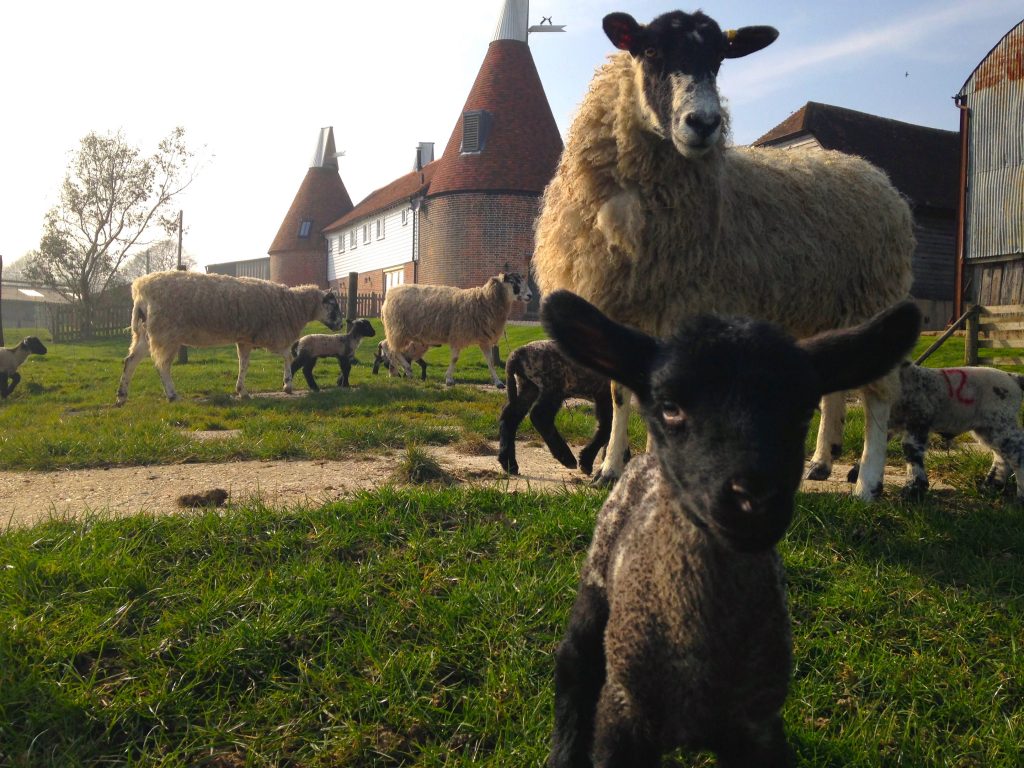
<point x="341" y="243"/>
<point x="380" y="228"/>
<point x="405" y="216"/>
<point x="476" y="126"/>
<point x="394" y="277"/>
<point x="352" y="241"/>
<point x="305" y="226"/>
<point x="366" y="233"/>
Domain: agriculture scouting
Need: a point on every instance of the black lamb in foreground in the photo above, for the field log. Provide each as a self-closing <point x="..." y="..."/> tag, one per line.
<point x="680" y="634"/>
<point x="342" y="346"/>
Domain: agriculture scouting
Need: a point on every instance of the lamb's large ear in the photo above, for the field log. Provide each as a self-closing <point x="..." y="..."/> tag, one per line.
<point x="747" y="40"/>
<point x="623" y="30"/>
<point x="586" y="335"/>
<point x="850" y="358"/>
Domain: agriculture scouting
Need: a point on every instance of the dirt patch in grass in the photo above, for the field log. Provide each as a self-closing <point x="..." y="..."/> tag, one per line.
<point x="28" y="497"/>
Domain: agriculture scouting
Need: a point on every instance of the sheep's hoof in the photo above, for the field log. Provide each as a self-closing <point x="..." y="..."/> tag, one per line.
<point x="819" y="470"/>
<point x="604" y="479"/>
<point x="851" y="476"/>
<point x="914" y="490"/>
<point x="499" y="384"/>
<point x="512" y="467"/>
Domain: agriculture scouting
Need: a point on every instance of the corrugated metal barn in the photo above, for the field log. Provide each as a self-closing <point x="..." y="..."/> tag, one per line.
<point x="991" y="232"/>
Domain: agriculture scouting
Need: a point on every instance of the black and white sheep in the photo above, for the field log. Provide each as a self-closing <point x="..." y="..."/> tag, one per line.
<point x="341" y="346"/>
<point x="950" y="401"/>
<point x="413" y="353"/>
<point x="680" y="634"/>
<point x="653" y="218"/>
<point x="172" y="309"/>
<point x="458" y="317"/>
<point x="539" y="379"/>
<point x="12" y="358"/>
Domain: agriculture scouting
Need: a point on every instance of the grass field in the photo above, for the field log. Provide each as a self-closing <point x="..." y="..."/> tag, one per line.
<point x="415" y="626"/>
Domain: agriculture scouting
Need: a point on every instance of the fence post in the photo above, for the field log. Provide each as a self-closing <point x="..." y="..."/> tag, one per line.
<point x="351" y="310"/>
<point x="971" y="341"/>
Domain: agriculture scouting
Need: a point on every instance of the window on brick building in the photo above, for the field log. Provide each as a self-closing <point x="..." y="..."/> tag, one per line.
<point x="305" y="227"/>
<point x="366" y="232"/>
<point x="405" y="216"/>
<point x="476" y="127"/>
<point x="352" y="240"/>
<point x="380" y="228"/>
<point x="341" y="243"/>
<point x="393" y="277"/>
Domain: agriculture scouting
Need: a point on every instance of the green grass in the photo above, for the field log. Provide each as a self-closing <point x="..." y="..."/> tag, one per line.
<point x="417" y="628"/>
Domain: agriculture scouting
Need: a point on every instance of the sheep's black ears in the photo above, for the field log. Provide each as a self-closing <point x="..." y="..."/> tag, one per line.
<point x="747" y="40"/>
<point x="850" y="358"/>
<point x="623" y="30"/>
<point x="587" y="336"/>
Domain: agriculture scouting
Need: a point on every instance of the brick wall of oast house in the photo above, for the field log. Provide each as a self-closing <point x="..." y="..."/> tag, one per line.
<point x="467" y="238"/>
<point x="301" y="267"/>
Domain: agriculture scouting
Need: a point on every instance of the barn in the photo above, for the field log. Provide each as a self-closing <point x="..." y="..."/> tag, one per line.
<point x="990" y="237"/>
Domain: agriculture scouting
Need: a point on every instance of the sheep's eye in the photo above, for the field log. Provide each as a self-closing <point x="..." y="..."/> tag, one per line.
<point x="672" y="414"/>
<point x="651" y="53"/>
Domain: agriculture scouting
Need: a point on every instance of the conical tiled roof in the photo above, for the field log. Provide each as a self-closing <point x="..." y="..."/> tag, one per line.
<point x="321" y="199"/>
<point x="522" y="143"/>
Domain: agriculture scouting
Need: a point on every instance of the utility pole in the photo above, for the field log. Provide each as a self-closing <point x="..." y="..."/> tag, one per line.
<point x="182" y="350"/>
<point x="1" y="301"/>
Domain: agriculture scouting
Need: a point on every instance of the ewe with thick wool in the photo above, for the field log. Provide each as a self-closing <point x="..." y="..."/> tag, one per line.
<point x="11" y="359"/>
<point x="172" y="309"/>
<point x="680" y="634"/>
<point x="341" y="346"/>
<point x="459" y="317"/>
<point x="950" y="401"/>
<point x="653" y="218"/>
<point x="539" y="379"/>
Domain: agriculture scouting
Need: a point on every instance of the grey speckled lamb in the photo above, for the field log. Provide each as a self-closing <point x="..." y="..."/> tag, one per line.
<point x="680" y="634"/>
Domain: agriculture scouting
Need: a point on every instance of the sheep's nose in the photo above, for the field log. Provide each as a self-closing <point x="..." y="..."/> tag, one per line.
<point x="750" y="492"/>
<point x="703" y="124"/>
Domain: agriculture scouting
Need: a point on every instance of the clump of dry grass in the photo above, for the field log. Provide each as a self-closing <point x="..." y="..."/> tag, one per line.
<point x="475" y="444"/>
<point x="420" y="468"/>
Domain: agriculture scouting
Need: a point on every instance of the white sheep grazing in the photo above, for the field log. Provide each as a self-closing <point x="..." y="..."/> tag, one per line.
<point x="951" y="401"/>
<point x="458" y="317"/>
<point x="680" y="634"/>
<point x="653" y="218"/>
<point x="341" y="346"/>
<point x="172" y="309"/>
<point x="12" y="358"/>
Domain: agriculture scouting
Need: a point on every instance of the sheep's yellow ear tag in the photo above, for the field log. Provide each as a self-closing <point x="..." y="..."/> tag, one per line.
<point x="730" y="35"/>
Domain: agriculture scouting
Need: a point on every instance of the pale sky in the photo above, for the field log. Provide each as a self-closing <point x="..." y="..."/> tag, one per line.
<point x="252" y="83"/>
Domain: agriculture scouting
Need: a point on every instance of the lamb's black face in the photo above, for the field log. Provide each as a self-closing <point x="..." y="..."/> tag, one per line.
<point x="677" y="57"/>
<point x="729" y="408"/>
<point x="362" y="327"/>
<point x="33" y="345"/>
<point x="332" y="314"/>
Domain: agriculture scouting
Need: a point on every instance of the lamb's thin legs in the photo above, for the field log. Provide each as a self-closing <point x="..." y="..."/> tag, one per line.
<point x="5" y="390"/>
<point x="1009" y="448"/>
<point x="489" y="359"/>
<point x="543" y="418"/>
<point x="512" y="416"/>
<point x="876" y="435"/>
<point x="915" y="443"/>
<point x="615" y="453"/>
<point x="344" y="368"/>
<point x="603" y="414"/>
<point x="830" y="436"/>
<point x="243" y="367"/>
<point x="765" y="747"/>
<point x="579" y="677"/>
<point x="139" y="349"/>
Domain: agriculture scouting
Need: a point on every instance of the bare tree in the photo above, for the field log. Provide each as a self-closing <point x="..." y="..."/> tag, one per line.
<point x="158" y="257"/>
<point x="110" y="197"/>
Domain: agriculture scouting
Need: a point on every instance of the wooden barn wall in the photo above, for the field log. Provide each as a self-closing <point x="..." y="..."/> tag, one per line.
<point x="995" y="283"/>
<point x="935" y="257"/>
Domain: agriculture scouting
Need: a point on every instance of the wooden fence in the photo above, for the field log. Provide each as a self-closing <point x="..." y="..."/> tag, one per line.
<point x="994" y="327"/>
<point x="367" y="305"/>
<point x="108" y="320"/>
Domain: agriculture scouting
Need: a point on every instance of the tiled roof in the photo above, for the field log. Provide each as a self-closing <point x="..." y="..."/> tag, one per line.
<point x="401" y="189"/>
<point x="322" y="198"/>
<point x="523" y="145"/>
<point x="923" y="163"/>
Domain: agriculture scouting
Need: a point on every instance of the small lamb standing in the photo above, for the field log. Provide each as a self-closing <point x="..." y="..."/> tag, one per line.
<point x="950" y="401"/>
<point x="172" y="309"/>
<point x="458" y="317"/>
<point x="12" y="358"/>
<point x="413" y="353"/>
<point x="652" y="217"/>
<point x="341" y="346"/>
<point x="680" y="635"/>
<point x="540" y="378"/>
